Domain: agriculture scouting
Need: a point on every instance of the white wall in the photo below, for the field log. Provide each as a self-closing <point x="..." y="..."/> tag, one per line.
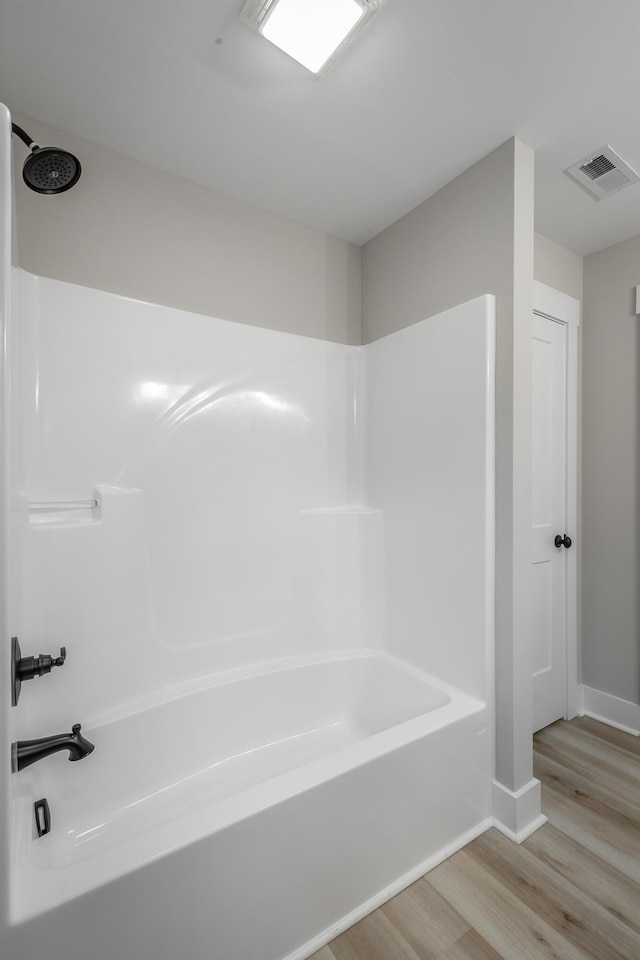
<point x="219" y="453"/>
<point x="429" y="465"/>
<point x="137" y="231"/>
<point x="611" y="397"/>
<point x="237" y="521"/>
<point x="475" y="236"/>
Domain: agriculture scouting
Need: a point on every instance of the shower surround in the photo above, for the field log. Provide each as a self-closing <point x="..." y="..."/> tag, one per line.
<point x="270" y="559"/>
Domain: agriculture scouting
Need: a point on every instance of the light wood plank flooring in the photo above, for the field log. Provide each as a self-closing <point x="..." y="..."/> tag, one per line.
<point x="571" y="891"/>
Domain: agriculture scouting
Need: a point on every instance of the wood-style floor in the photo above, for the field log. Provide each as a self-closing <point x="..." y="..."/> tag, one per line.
<point x="571" y="891"/>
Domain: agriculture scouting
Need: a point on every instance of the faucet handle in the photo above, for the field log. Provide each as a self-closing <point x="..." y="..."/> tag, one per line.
<point x="59" y="661"/>
<point x="26" y="668"/>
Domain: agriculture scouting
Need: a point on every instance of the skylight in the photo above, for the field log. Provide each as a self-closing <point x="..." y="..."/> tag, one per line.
<point x="311" y="31"/>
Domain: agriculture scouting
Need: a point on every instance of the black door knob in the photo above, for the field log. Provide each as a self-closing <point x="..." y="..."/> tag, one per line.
<point x="562" y="541"/>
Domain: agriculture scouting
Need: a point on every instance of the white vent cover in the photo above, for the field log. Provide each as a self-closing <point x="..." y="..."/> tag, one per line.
<point x="602" y="173"/>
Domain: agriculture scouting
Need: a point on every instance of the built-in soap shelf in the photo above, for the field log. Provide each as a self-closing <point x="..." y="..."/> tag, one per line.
<point x="342" y="511"/>
<point x="63" y="511"/>
<point x="53" y="506"/>
<point x="107" y="505"/>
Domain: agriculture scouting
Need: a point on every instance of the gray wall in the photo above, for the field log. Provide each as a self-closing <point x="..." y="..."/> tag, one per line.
<point x="557" y="266"/>
<point x="475" y="236"/>
<point x="134" y="230"/>
<point x="611" y="389"/>
<point x="456" y="245"/>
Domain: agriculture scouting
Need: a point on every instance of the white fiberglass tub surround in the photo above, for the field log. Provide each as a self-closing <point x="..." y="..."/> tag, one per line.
<point x="231" y="736"/>
<point x="211" y="752"/>
<point x="278" y="621"/>
<point x="273" y="850"/>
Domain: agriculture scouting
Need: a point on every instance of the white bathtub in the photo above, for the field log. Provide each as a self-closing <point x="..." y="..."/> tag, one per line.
<point x="253" y="815"/>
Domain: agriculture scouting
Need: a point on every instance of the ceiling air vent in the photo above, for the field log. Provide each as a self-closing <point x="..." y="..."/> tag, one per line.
<point x="603" y="173"/>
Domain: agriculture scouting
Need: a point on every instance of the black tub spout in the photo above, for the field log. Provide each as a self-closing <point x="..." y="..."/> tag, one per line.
<point x="26" y="752"/>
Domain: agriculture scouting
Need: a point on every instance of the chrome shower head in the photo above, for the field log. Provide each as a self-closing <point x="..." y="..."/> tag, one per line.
<point x="48" y="169"/>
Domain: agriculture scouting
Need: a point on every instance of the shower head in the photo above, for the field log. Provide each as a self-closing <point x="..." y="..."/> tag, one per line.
<point x="48" y="169"/>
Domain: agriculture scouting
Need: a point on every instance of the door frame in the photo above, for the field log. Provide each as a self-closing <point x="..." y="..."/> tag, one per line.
<point x="554" y="305"/>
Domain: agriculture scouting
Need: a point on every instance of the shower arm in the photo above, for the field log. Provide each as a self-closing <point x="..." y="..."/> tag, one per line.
<point x="24" y="136"/>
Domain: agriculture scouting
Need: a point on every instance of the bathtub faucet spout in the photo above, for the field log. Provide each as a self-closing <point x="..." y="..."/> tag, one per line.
<point x="26" y="752"/>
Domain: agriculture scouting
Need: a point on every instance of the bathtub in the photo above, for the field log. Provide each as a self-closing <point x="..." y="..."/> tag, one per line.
<point x="249" y="816"/>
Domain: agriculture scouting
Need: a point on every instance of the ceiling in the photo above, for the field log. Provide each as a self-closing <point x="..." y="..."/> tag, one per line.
<point x="429" y="88"/>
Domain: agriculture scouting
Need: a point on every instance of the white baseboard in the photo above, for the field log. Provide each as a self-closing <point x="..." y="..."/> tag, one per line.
<point x="517" y="815"/>
<point x="622" y="714"/>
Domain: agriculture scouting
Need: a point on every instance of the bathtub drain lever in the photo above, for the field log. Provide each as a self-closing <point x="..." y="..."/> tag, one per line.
<point x="43" y="816"/>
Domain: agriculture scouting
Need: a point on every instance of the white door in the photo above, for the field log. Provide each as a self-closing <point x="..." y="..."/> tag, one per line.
<point x="549" y="520"/>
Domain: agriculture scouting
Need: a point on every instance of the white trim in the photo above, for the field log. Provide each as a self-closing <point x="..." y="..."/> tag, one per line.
<point x="622" y="714"/>
<point x="562" y="308"/>
<point x="517" y="815"/>
<point x="6" y="280"/>
<point x="571" y="659"/>
<point x="319" y="941"/>
<point x="525" y="833"/>
<point x="490" y="517"/>
<point x="555" y="305"/>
